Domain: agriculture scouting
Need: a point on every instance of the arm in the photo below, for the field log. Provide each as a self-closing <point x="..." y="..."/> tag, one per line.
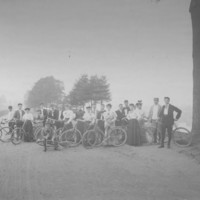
<point x="72" y="116"/>
<point x="178" y="111"/>
<point x="150" y="113"/>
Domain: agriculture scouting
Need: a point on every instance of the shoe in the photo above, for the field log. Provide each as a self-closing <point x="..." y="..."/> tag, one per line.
<point x="161" y="146"/>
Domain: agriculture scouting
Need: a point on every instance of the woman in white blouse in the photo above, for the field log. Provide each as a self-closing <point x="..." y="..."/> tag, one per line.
<point x="132" y="114"/>
<point x="110" y="118"/>
<point x="28" y="126"/>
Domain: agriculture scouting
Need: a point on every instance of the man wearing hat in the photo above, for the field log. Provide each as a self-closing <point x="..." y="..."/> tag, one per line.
<point x="19" y="115"/>
<point x="154" y="119"/>
<point x="167" y="118"/>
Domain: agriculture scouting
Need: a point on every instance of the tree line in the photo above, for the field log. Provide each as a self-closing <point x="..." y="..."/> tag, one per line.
<point x="87" y="89"/>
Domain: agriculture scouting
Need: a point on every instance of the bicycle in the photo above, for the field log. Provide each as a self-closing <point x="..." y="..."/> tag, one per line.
<point x="18" y="134"/>
<point x="116" y="136"/>
<point x="181" y="136"/>
<point x="72" y="137"/>
<point x="37" y="128"/>
<point x="5" y="131"/>
<point x="51" y="137"/>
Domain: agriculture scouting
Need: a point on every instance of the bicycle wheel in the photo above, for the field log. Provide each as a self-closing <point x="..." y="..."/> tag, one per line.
<point x="89" y="139"/>
<point x="17" y="135"/>
<point x="182" y="137"/>
<point x="37" y="131"/>
<point x="118" y="136"/>
<point x="5" y="134"/>
<point x="69" y="138"/>
<point x="99" y="138"/>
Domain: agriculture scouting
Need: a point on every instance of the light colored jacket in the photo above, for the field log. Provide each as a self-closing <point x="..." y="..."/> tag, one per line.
<point x="151" y="112"/>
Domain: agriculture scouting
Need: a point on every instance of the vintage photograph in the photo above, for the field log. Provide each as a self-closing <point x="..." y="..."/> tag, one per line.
<point x="100" y="99"/>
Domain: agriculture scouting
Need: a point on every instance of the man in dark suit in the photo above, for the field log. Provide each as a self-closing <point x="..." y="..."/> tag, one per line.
<point x="18" y="115"/>
<point x="126" y="108"/>
<point x="54" y="113"/>
<point x="167" y="117"/>
<point x="120" y="115"/>
<point x="44" y="113"/>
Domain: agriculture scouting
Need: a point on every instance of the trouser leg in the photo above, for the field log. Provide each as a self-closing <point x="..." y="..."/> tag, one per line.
<point x="169" y="130"/>
<point x="163" y="135"/>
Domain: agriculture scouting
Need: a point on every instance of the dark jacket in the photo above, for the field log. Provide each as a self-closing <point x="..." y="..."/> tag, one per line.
<point x="17" y="114"/>
<point x="54" y="114"/>
<point x="169" y="118"/>
<point x="45" y="113"/>
<point x="120" y="115"/>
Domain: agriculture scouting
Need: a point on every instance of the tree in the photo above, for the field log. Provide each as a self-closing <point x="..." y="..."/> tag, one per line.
<point x="93" y="90"/>
<point x="195" y="16"/>
<point x="46" y="90"/>
<point x="80" y="93"/>
<point x="99" y="89"/>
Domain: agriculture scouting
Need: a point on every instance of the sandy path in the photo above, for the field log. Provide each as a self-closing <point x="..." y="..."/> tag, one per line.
<point x="144" y="173"/>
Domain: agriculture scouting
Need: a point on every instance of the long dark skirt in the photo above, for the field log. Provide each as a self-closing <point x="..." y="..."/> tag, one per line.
<point x="100" y="124"/>
<point x="81" y="126"/>
<point x="28" y="128"/>
<point x="133" y="133"/>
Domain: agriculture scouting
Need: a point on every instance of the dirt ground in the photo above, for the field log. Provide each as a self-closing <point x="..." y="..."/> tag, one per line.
<point x="128" y="173"/>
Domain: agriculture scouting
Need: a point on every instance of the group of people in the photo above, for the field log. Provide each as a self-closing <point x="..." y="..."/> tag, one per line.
<point x="132" y="116"/>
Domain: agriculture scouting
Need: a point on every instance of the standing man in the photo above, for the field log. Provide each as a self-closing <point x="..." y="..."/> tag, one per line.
<point x="126" y="108"/>
<point x="99" y="114"/>
<point x="44" y="113"/>
<point x="167" y="117"/>
<point x="154" y="118"/>
<point x="54" y="113"/>
<point x="120" y="115"/>
<point x="10" y="117"/>
<point x="18" y="116"/>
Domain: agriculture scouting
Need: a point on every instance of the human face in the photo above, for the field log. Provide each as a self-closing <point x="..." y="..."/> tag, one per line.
<point x="20" y="107"/>
<point x="108" y="108"/>
<point x="41" y="106"/>
<point x="166" y="101"/>
<point x="126" y="104"/>
<point x="139" y="106"/>
<point x="120" y="107"/>
<point x="89" y="110"/>
<point x="156" y="102"/>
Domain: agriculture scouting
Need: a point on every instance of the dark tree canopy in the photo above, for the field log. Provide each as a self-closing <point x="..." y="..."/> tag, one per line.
<point x="94" y="89"/>
<point x="46" y="90"/>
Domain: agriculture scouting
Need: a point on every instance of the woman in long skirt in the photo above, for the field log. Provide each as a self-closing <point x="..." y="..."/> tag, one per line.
<point x="133" y="129"/>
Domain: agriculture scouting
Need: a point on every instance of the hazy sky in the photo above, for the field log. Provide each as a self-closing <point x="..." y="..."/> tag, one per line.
<point x="144" y="48"/>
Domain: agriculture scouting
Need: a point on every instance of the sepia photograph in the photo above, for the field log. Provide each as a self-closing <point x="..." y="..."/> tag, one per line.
<point x="100" y="100"/>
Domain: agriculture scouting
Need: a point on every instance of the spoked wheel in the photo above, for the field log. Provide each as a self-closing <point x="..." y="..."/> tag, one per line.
<point x="89" y="139"/>
<point x="118" y="137"/>
<point x="70" y="137"/>
<point x="99" y="137"/>
<point x="5" y="134"/>
<point x="37" y="132"/>
<point x="182" y="137"/>
<point x="17" y="135"/>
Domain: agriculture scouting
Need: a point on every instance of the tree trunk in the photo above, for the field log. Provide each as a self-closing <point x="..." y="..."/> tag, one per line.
<point x="195" y="15"/>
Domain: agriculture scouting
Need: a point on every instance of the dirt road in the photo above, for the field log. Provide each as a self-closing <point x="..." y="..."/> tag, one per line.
<point x="128" y="173"/>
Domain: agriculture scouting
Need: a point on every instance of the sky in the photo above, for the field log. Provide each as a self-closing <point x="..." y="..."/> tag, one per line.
<point x="144" y="48"/>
